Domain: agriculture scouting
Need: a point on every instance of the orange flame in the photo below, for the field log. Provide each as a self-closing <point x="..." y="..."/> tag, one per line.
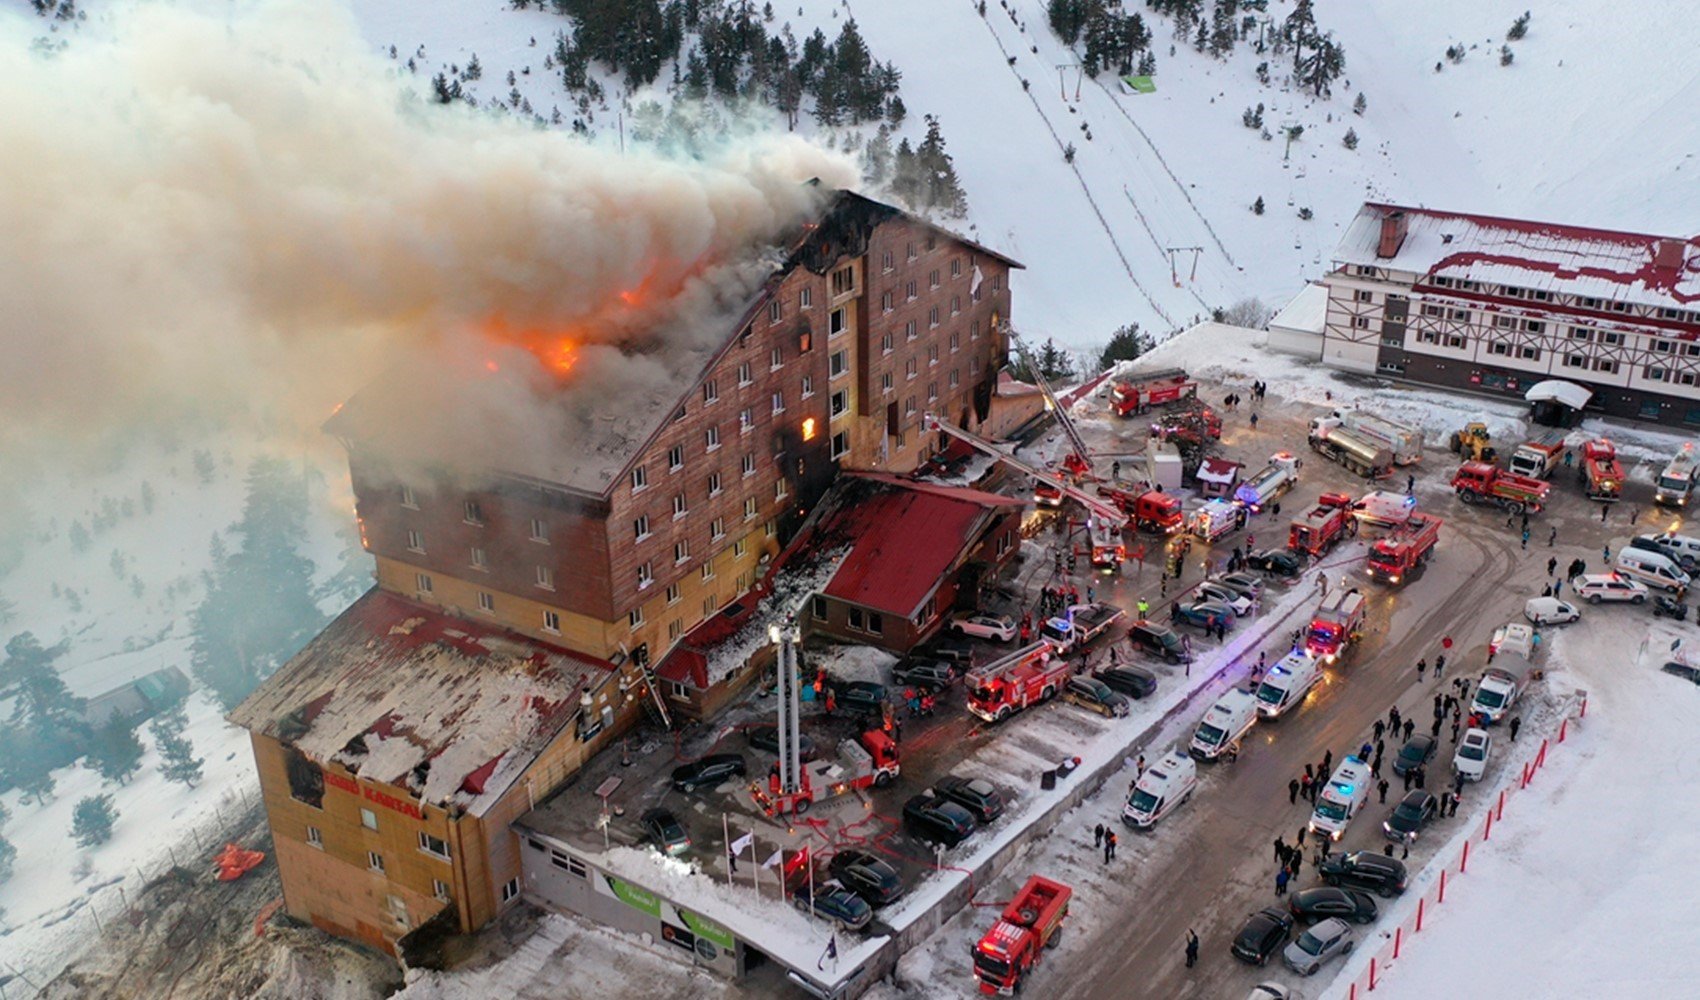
<point x="557" y="350"/>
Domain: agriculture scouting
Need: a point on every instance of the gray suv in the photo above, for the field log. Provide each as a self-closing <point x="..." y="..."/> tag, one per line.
<point x="1158" y="640"/>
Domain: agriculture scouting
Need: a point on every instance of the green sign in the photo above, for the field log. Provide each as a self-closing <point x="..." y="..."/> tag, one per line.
<point x="707" y="928"/>
<point x="1140" y="84"/>
<point x="632" y="896"/>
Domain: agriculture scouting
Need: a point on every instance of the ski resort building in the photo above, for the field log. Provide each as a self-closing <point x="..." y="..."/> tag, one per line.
<point x="1498" y="305"/>
<point x="521" y="603"/>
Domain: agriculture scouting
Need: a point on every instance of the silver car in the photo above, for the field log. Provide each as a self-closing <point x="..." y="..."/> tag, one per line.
<point x="1319" y="944"/>
<point x="1241" y="604"/>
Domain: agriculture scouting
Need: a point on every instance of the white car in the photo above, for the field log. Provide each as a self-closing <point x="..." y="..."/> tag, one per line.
<point x="1269" y="991"/>
<point x="1472" y="756"/>
<point x="984" y="626"/>
<point x="1550" y="611"/>
<point x="1597" y="587"/>
<point x="1235" y="599"/>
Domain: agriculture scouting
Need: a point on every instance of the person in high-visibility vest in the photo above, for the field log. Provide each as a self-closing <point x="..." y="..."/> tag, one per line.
<point x="1144" y="607"/>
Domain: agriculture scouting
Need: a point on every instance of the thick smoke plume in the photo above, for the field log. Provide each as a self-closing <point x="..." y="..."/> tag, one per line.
<point x="242" y="209"/>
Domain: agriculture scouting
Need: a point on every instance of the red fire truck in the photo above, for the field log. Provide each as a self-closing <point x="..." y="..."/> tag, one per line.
<point x="1150" y="510"/>
<point x="1318" y="529"/>
<point x="1336" y="624"/>
<point x="1147" y="389"/>
<point x="873" y="761"/>
<point x="1008" y="685"/>
<point x="1602" y="477"/>
<point x="1479" y="482"/>
<point x="1014" y="945"/>
<point x="1407" y="547"/>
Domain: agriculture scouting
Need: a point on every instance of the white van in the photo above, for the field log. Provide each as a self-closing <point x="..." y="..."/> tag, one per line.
<point x="1287" y="683"/>
<point x="1652" y="569"/>
<point x="1496" y="692"/>
<point x="1381" y="507"/>
<point x="1223" y="724"/>
<point x="1340" y="800"/>
<point x="1163" y="786"/>
<point x="1686" y="547"/>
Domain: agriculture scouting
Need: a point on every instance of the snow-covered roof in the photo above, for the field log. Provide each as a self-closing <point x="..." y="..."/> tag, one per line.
<point x="400" y="693"/>
<point x="1305" y="312"/>
<point x="1570" y="260"/>
<point x="1568" y="393"/>
<point x="1009" y="385"/>
<point x="1218" y="470"/>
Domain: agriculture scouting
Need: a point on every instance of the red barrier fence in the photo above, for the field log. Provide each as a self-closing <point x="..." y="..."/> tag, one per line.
<point x="1394" y="946"/>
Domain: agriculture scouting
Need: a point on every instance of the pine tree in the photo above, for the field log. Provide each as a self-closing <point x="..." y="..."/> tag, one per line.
<point x="876" y="157"/>
<point x="1506" y="55"/>
<point x="440" y="89"/>
<point x="1322" y="65"/>
<point x="907" y="183"/>
<point x="942" y="191"/>
<point x="896" y="111"/>
<point x="1351" y="139"/>
<point x="79" y="535"/>
<point x="8" y="857"/>
<point x="1125" y="344"/>
<point x="91" y="821"/>
<point x="474" y="69"/>
<point x="116" y="753"/>
<point x="1257" y="206"/>
<point x="177" y="758"/>
<point x="1299" y="30"/>
<point x="42" y="699"/>
<point x="1519" y="28"/>
<point x="1360" y="104"/>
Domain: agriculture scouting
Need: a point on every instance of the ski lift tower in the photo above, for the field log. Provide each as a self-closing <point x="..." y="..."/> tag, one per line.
<point x="789" y="699"/>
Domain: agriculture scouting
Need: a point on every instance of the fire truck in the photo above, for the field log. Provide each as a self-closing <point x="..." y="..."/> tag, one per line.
<point x="1337" y="623"/>
<point x="1147" y="389"/>
<point x="1318" y="529"/>
<point x="1601" y="476"/>
<point x="873" y="761"/>
<point x="1410" y="545"/>
<point x="1150" y="510"/>
<point x="1025" y="677"/>
<point x="1479" y="482"/>
<point x="1014" y="945"/>
<point x="1275" y="479"/>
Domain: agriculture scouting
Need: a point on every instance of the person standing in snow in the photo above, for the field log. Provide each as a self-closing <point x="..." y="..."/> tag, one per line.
<point x="1525" y="539"/>
<point x="1281" y="878"/>
<point x="1191" y="948"/>
<point x="1381" y="787"/>
<point x="1410" y="485"/>
<point x="1552" y="565"/>
<point x="1098" y="835"/>
<point x="1305" y="784"/>
<point x="1422" y="667"/>
<point x="1410" y="725"/>
<point x="1516" y="724"/>
<point x="1109" y="846"/>
<point x="1552" y="537"/>
<point x="1280" y="849"/>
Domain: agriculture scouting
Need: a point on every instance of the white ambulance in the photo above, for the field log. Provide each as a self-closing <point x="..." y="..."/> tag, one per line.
<point x="1163" y="786"/>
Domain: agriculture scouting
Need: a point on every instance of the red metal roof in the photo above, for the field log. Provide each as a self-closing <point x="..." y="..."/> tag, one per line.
<point x="903" y="537"/>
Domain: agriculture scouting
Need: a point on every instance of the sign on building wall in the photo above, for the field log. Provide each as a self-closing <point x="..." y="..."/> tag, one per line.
<point x="681" y="928"/>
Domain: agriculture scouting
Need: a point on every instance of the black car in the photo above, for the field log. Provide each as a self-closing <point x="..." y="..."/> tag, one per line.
<point x="1377" y="873"/>
<point x="861" y="696"/>
<point x="1158" y="640"/>
<point x="834" y="903"/>
<point x="1409" y="815"/>
<point x="767" y="738"/>
<point x="978" y="796"/>
<point x="1277" y="562"/>
<point x="665" y="831"/>
<point x="708" y="772"/>
<point x="1324" y="901"/>
<point x="951" y="650"/>
<point x="934" y="675"/>
<point x="1131" y="681"/>
<point x="1262" y="935"/>
<point x="1417" y="751"/>
<point x="937" y="820"/>
<point x="867" y="876"/>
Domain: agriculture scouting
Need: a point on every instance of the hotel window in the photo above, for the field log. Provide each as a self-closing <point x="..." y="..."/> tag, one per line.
<point x="839" y="363"/>
<point x="885" y="382"/>
<point x="1461" y="315"/>
<point x="1534" y="326"/>
<point x="932" y="391"/>
<point x="368" y="819"/>
<point x="1655" y="374"/>
<point x="1529" y="353"/>
<point x="434" y="846"/>
<point x="1427" y="337"/>
<point x="422" y="582"/>
<point x="933" y="317"/>
<point x="955" y="342"/>
<point x="909" y="330"/>
<point x="552" y="621"/>
<point x="717" y="528"/>
<point x="675" y="628"/>
<point x="808" y="386"/>
<point x="779" y="402"/>
<point x="640" y="479"/>
<point x="545" y="578"/>
<point x="974" y="365"/>
<point x="645" y="576"/>
<point x="487" y="602"/>
<point x="932" y="241"/>
<point x="886" y="302"/>
<point x="749" y="466"/>
<point x="844" y="280"/>
<point x="710" y="605"/>
<point x="806" y="298"/>
<point x="1663" y="346"/>
<point x="1575" y="361"/>
<point x="738" y="549"/>
<point x="840" y="445"/>
<point x="854" y="619"/>
<point x="440" y="889"/>
<point x="1608" y="337"/>
<point x="909" y="251"/>
<point x="835" y="322"/>
<point x="1361" y="322"/>
<point x="1453" y="340"/>
<point x="911" y="368"/>
<point x="776" y="359"/>
<point x="744" y="374"/>
<point x="781" y="489"/>
<point x="749" y="508"/>
<point x="1364" y="295"/>
<point x="1505" y="322"/>
<point x="681" y="553"/>
<point x="885" y="343"/>
<point x="1442" y="282"/>
<point x="909" y="291"/>
<point x="1581" y="333"/>
<point x="775" y="311"/>
<point x="415" y="541"/>
<point x="679" y="507"/>
<point x="885" y="261"/>
<point x="675" y="458"/>
<point x="707" y="571"/>
<point x="1602" y="365"/>
<point x="640" y="527"/>
<point x="714" y="484"/>
<point x="480" y="559"/>
<point x="1540" y="296"/>
<point x="1588" y="303"/>
<point x="539" y="531"/>
<point x="1433" y="311"/>
<point x="1500" y="347"/>
<point x="932" y="354"/>
<point x="711" y="438"/>
<point x="805" y="341"/>
<point x="315" y="838"/>
<point x="955" y="377"/>
<point x="933" y="278"/>
<point x="510" y="891"/>
<point x="408" y="499"/>
<point x="956" y="267"/>
<point x="1510" y="292"/>
<point x="909" y="406"/>
<point x="974" y="330"/>
<point x="474" y="513"/>
<point x="710" y="392"/>
<point x="375" y="861"/>
<point x="746" y="420"/>
<point x="955" y="304"/>
<point x="840" y="402"/>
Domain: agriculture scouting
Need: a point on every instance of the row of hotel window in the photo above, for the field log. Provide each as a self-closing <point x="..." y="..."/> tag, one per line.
<point x="1537" y="295"/>
<point x="844" y="282"/>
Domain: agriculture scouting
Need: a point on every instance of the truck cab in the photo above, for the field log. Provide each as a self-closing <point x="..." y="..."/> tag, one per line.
<point x="1006" y="953"/>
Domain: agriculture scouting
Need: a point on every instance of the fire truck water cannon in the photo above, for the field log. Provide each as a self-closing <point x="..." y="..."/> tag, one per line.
<point x="1007" y="952"/>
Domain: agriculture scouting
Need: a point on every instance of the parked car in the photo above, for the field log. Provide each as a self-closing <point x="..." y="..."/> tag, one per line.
<point x="665" y="831"/>
<point x="950" y="649"/>
<point x="1204" y="614"/>
<point x="1158" y="640"/>
<point x="1319" y="944"/>
<point x="1471" y="759"/>
<point x="870" y="877"/>
<point x="1239" y="603"/>
<point x="1550" y="611"/>
<point x="833" y="902"/>
<point x="1131" y="681"/>
<point x="1409" y="815"/>
<point x="1269" y="991"/>
<point x="1324" y="901"/>
<point x="861" y="696"/>
<point x="1276" y="562"/>
<point x="766" y="737"/>
<point x="1377" y="873"/>
<point x="1417" y="751"/>
<point x="708" y="772"/>
<point x="977" y="795"/>
<point x="984" y="625"/>
<point x="1262" y="935"/>
<point x="937" y="820"/>
<point x="1249" y="584"/>
<point x="1094" y="695"/>
<point x="935" y="675"/>
<point x="1597" y="587"/>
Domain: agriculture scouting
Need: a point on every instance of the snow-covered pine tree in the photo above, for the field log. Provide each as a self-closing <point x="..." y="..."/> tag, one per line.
<point x="116" y="753"/>
<point x="91" y="821"/>
<point x="1360" y="103"/>
<point x="1350" y="140"/>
